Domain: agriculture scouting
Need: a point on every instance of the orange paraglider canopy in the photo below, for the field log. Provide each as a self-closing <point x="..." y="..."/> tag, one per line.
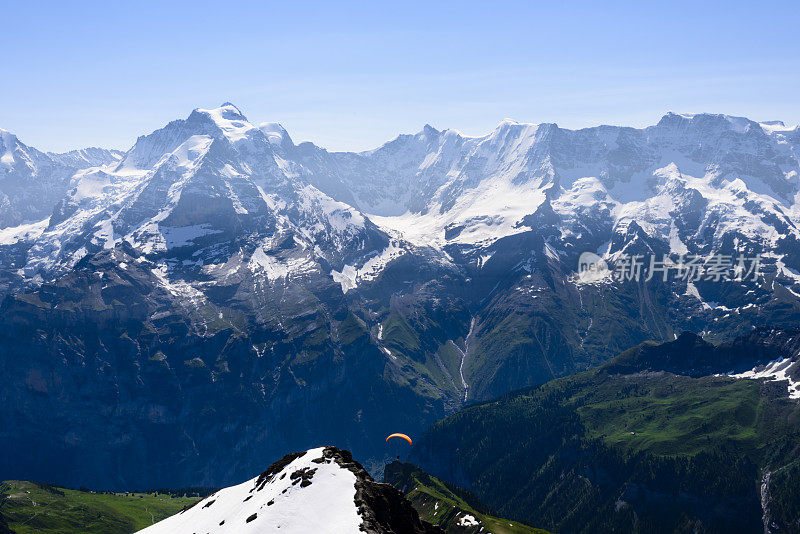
<point x="398" y="435"/>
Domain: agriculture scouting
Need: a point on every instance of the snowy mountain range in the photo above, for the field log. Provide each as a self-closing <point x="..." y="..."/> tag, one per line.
<point x="693" y="179"/>
<point x="430" y="190"/>
<point x="219" y="287"/>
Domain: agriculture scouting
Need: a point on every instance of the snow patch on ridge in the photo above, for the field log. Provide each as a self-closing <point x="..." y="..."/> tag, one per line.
<point x="777" y="371"/>
<point x="468" y="520"/>
<point x="482" y="215"/>
<point x="231" y="121"/>
<point x="350" y="275"/>
<point x="23" y="232"/>
<point x="276" y="268"/>
<point x="177" y="288"/>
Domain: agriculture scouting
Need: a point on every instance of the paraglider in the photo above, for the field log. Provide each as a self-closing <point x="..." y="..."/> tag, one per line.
<point x="399" y="435"/>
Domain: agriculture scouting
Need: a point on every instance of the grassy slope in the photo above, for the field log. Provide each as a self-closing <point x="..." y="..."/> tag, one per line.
<point x="673" y="415"/>
<point x="552" y="455"/>
<point x="440" y="505"/>
<point x="31" y="507"/>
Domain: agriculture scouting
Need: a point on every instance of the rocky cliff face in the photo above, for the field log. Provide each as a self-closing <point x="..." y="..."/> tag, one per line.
<point x="218" y="287"/>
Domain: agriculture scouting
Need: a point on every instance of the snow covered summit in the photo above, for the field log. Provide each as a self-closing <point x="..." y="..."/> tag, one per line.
<point x="320" y="490"/>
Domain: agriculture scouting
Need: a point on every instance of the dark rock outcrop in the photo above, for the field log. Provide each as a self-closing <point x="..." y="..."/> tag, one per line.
<point x="384" y="508"/>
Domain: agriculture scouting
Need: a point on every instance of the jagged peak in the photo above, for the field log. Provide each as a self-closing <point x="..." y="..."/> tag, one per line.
<point x="223" y="114"/>
<point x="777" y="127"/>
<point x="507" y="122"/>
<point x="452" y="132"/>
<point x="529" y="127"/>
<point x="8" y="138"/>
<point x="226" y="121"/>
<point x="429" y="131"/>
<point x="276" y="133"/>
<point x="672" y="114"/>
<point x="228" y="106"/>
<point x="8" y="143"/>
<point x="229" y="119"/>
<point x="508" y="125"/>
<point x="738" y="124"/>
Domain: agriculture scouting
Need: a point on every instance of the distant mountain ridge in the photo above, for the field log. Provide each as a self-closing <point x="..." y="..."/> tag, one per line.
<point x="443" y="189"/>
<point x="218" y="287"/>
<point x="31" y="181"/>
<point x="690" y="355"/>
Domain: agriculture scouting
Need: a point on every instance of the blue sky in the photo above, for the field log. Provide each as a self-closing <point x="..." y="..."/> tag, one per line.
<point x="349" y="76"/>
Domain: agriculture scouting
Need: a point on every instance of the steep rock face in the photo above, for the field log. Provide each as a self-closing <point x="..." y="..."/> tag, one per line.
<point x="124" y="358"/>
<point x="321" y="490"/>
<point x="382" y="507"/>
<point x="219" y="284"/>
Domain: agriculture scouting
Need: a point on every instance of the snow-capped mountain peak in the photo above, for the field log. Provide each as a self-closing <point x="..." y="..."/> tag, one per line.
<point x="225" y="122"/>
<point x="230" y="121"/>
<point x="276" y="133"/>
<point x="13" y="152"/>
<point x="8" y="143"/>
<point x="320" y="490"/>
